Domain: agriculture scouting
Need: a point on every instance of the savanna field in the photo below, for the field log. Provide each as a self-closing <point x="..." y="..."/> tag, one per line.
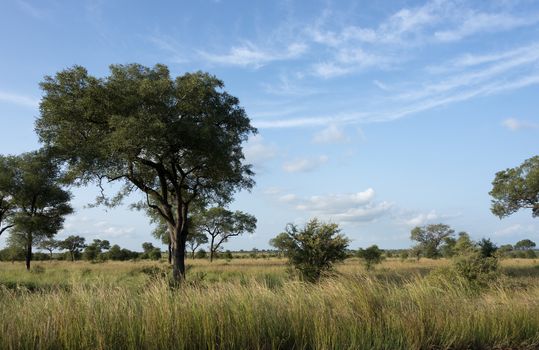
<point x="259" y="304"/>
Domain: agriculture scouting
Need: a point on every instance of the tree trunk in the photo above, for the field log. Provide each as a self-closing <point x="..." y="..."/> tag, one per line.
<point x="211" y="249"/>
<point x="193" y="253"/>
<point x="178" y="254"/>
<point x="169" y="253"/>
<point x="28" y="256"/>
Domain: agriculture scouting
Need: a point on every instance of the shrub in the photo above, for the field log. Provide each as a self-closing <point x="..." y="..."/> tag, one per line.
<point x="371" y="256"/>
<point x="476" y="269"/>
<point x="201" y="254"/>
<point x="313" y="249"/>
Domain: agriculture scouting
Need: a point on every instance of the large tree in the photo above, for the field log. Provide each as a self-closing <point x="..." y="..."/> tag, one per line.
<point x="221" y="224"/>
<point x="516" y="188"/>
<point x="176" y="140"/>
<point x="40" y="202"/>
<point x="430" y="238"/>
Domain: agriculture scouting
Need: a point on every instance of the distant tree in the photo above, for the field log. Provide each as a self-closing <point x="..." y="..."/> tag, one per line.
<point x="487" y="248"/>
<point x="201" y="254"/>
<point x="95" y="249"/>
<point x="48" y="244"/>
<point x="464" y="244"/>
<point x="280" y="242"/>
<point x="371" y="256"/>
<point x="516" y="188"/>
<point x="315" y="248"/>
<point x="174" y="139"/>
<point x="221" y="224"/>
<point x="150" y="252"/>
<point x="430" y="238"/>
<point x="447" y="249"/>
<point x="74" y="245"/>
<point x="40" y="202"/>
<point x="195" y="239"/>
<point x="504" y="249"/>
<point x="7" y="188"/>
<point x="525" y="244"/>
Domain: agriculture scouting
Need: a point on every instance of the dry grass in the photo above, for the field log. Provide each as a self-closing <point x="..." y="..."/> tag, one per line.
<point x="252" y="304"/>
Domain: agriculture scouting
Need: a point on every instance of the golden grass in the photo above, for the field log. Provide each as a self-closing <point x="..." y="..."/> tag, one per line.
<point x="252" y="304"/>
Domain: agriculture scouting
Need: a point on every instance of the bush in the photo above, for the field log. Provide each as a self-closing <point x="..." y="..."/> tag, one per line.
<point x="313" y="249"/>
<point x="371" y="256"/>
<point x="476" y="269"/>
<point x="201" y="254"/>
<point x="530" y="254"/>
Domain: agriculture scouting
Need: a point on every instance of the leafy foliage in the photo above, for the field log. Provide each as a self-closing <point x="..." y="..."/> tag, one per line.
<point x="313" y="249"/>
<point x="221" y="224"/>
<point x="176" y="140"/>
<point x="39" y="204"/>
<point x="371" y="256"/>
<point x="516" y="188"/>
<point x="430" y="238"/>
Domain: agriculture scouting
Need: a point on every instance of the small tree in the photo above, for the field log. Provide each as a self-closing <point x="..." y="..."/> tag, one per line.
<point x="525" y="244"/>
<point x="201" y="254"/>
<point x="221" y="224"/>
<point x="464" y="244"/>
<point x="315" y="248"/>
<point x="48" y="244"/>
<point x="516" y="188"/>
<point x="430" y="238"/>
<point x="371" y="256"/>
<point x="95" y="249"/>
<point x="74" y="245"/>
<point x="194" y="240"/>
<point x="40" y="202"/>
<point x="7" y="188"/>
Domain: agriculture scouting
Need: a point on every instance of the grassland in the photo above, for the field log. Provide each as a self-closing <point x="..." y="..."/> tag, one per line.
<point x="255" y="304"/>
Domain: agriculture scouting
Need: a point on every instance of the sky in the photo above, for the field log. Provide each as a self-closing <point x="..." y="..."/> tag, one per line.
<point x="377" y="115"/>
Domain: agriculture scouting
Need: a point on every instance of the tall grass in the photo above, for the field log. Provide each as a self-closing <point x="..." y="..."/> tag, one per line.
<point x="354" y="311"/>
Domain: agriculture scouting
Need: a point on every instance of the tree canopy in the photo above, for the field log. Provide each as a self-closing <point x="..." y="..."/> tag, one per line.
<point x="430" y="238"/>
<point x="221" y="224"/>
<point x="176" y="140"/>
<point x="516" y="188"/>
<point x="38" y="202"/>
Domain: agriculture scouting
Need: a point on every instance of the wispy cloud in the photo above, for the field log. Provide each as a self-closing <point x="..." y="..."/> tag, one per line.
<point x="331" y="134"/>
<point x="514" y="124"/>
<point x="258" y="152"/>
<point x="252" y="55"/>
<point x="341" y="207"/>
<point x="31" y="9"/>
<point x="304" y="164"/>
<point x="170" y="46"/>
<point x="21" y="100"/>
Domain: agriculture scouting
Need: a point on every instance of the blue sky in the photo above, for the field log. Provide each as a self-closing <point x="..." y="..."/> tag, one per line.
<point x="377" y="115"/>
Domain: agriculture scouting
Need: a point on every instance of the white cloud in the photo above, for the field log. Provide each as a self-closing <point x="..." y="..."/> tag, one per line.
<point x="423" y="218"/>
<point x="21" y="100"/>
<point x="305" y="164"/>
<point x="331" y="134"/>
<point x="514" y="124"/>
<point x="257" y="151"/>
<point x="344" y="207"/>
<point x="287" y="198"/>
<point x="250" y="54"/>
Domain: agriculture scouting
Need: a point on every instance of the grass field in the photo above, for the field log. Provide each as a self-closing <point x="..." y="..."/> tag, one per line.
<point x="255" y="304"/>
